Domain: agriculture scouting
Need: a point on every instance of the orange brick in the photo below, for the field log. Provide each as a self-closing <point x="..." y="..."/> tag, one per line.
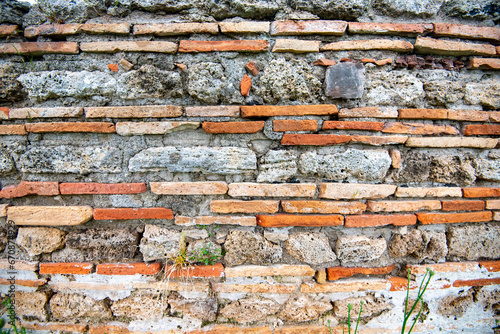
<point x="24" y="282"/>
<point x="347" y="286"/>
<point x="283" y="125"/>
<point x="314" y="139"/>
<point x="132" y="213"/>
<point x="367" y="60"/>
<point x="349" y="125"/>
<point x="451" y="48"/>
<point x="210" y="220"/>
<point x="463" y="205"/>
<point x="94" y="127"/>
<point x="379" y="140"/>
<point x="233" y="127"/>
<point x="254" y="288"/>
<point x="316" y="27"/>
<point x="66" y="268"/>
<point x="236" y="206"/>
<point x="109" y="329"/>
<point x="172" y="29"/>
<point x="39" y="48"/>
<point x="373" y="28"/>
<point x="245" y="85"/>
<point x="26" y="188"/>
<point x="469" y="115"/>
<point x="401" y="284"/>
<point x="481" y="192"/>
<point x="466" y="31"/>
<point x="54" y="326"/>
<point x="447" y="267"/>
<point x="419" y="129"/>
<point x="380" y="220"/>
<point x="140" y="268"/>
<point x="252" y="68"/>
<point x="4" y="112"/>
<point x="300" y="110"/>
<point x="307" y="329"/>
<point x="223" y="329"/>
<point x="215" y="270"/>
<point x="323" y="207"/>
<point x="334" y="273"/>
<point x="373" y="112"/>
<point x="493" y="205"/>
<point x="113" y="67"/>
<point x="12" y="130"/>
<point x="484" y="63"/>
<point x="399" y="206"/>
<point x="7" y="30"/>
<point x="102" y="188"/>
<point x="477" y="282"/>
<point x="371" y="44"/>
<point x="485" y="129"/>
<point x="423" y="113"/>
<point x="272" y="190"/>
<point x="441" y="218"/>
<point x="324" y="62"/>
<point x="283" y="220"/>
<point x="129" y="46"/>
<point x="384" y="61"/>
<point x="189" y="188"/>
<point x="72" y="29"/>
<point x="492" y="266"/>
<point x="233" y="45"/>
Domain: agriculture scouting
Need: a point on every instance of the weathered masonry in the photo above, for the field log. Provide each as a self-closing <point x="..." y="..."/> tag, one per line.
<point x="249" y="166"/>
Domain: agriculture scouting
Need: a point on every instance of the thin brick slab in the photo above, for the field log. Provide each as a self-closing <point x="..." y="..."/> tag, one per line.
<point x="101" y="188"/>
<point x="374" y="28"/>
<point x="312" y="27"/>
<point x="348" y="286"/>
<point x="272" y="190"/>
<point x="94" y="127"/>
<point x="75" y="28"/>
<point x="355" y="191"/>
<point x="335" y="273"/>
<point x="451" y="48"/>
<point x="469" y="115"/>
<point x="139" y="268"/>
<point x="423" y="113"/>
<point x="13" y="129"/>
<point x="173" y="29"/>
<point x="233" y="127"/>
<point x="245" y="27"/>
<point x="481" y="130"/>
<point x="29" y="113"/>
<point x="372" y="44"/>
<point x="212" y="220"/>
<point x="350" y="125"/>
<point x="284" y="125"/>
<point x="428" y="192"/>
<point x="295" y="46"/>
<point x="403" y="206"/>
<point x="238" y="206"/>
<point x="133" y="213"/>
<point x="65" y="268"/>
<point x="26" y="188"/>
<point x="442" y="218"/>
<point x="314" y="139"/>
<point x="380" y="220"/>
<point x="372" y="112"/>
<point x="129" y="46"/>
<point x="153" y="128"/>
<point x="484" y="63"/>
<point x="133" y="111"/>
<point x="276" y="270"/>
<point x="379" y="140"/>
<point x="284" y="220"/>
<point x="189" y="188"/>
<point x="466" y="31"/>
<point x="214" y="46"/>
<point x="451" y="142"/>
<point x="461" y="205"/>
<point x="350" y="207"/>
<point x="419" y="129"/>
<point x="481" y="192"/>
<point x="49" y="215"/>
<point x="213" y="111"/>
<point x="39" y="48"/>
<point x="300" y="110"/>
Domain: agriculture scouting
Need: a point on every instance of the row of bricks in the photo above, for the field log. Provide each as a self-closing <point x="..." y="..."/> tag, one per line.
<point x="276" y="28"/>
<point x="423" y="45"/>
<point x="349" y="191"/>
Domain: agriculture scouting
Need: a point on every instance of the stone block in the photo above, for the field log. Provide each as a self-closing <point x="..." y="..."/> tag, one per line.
<point x="345" y="80"/>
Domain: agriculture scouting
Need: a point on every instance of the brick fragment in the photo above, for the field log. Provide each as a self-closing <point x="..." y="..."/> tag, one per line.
<point x="3" y="210"/>
<point x="29" y="113"/>
<point x="317" y="27"/>
<point x="372" y="112"/>
<point x="300" y="110"/>
<point x="380" y="220"/>
<point x="314" y="139"/>
<point x="451" y="142"/>
<point x="25" y="282"/>
<point x="133" y="213"/>
<point x="140" y="268"/>
<point x="295" y="46"/>
<point x="373" y="28"/>
<point x="476" y="282"/>
<point x="245" y="85"/>
<point x="211" y="220"/>
<point x="396" y="158"/>
<point x="133" y="112"/>
<point x="49" y="215"/>
<point x="320" y="276"/>
<point x="276" y="270"/>
<point x="4" y="112"/>
<point x="469" y="115"/>
<point x="351" y="125"/>
<point x="451" y="48"/>
<point x="173" y="29"/>
<point x="383" y="62"/>
<point x="73" y="29"/>
<point x="484" y="129"/>
<point x="246" y="27"/>
<point x="371" y="44"/>
<point x="481" y="192"/>
<point x="254" y="288"/>
<point x="491" y="266"/>
<point x="463" y="205"/>
<point x="113" y="67"/>
<point x="272" y="190"/>
<point x="39" y="48"/>
<point x="189" y="188"/>
<point x="233" y="127"/>
<point x="324" y="62"/>
<point x="484" y="63"/>
<point x="447" y="267"/>
<point x="283" y="220"/>
<point x="494" y="116"/>
<point x="443" y="218"/>
<point x="129" y="46"/>
<point x="350" y="207"/>
<point x="26" y="188"/>
<point x="65" y="268"/>
<point x="348" y="286"/>
<point x="419" y="129"/>
<point x="401" y="284"/>
<point x="102" y="188"/>
<point x="379" y="140"/>
<point x="401" y="206"/>
<point x="126" y="64"/>
<point x="153" y="128"/>
<point x="423" y="113"/>
<point x="234" y="45"/>
<point x="19" y="265"/>
<point x="215" y="270"/>
<point x="355" y="191"/>
<point x="12" y="129"/>
<point x="252" y="68"/>
<point x="493" y="205"/>
<point x="213" y="111"/>
<point x="466" y="31"/>
<point x="429" y="192"/>
<point x="367" y="60"/>
<point x="284" y="125"/>
<point x="7" y="30"/>
<point x="335" y="273"/>
<point x="237" y="206"/>
<point x="93" y="127"/>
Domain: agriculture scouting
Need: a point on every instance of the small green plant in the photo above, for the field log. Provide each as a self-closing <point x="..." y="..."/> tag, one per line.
<point x="206" y="255"/>
<point x="22" y="330"/>
<point x="421" y="290"/>
<point x="349" y="307"/>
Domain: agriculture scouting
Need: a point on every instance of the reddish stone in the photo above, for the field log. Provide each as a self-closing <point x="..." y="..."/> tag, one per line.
<point x="132" y="213"/>
<point x="367" y="60"/>
<point x="233" y="45"/>
<point x="481" y="192"/>
<point x="26" y="188"/>
<point x="485" y="129"/>
<point x="7" y="30"/>
<point x="442" y="218"/>
<point x="463" y="205"/>
<point x="233" y="127"/>
<point x="140" y="268"/>
<point x="388" y="28"/>
<point x="252" y="68"/>
<point x="281" y="220"/>
<point x="216" y="270"/>
<point x="283" y="125"/>
<point x="314" y="139"/>
<point x="102" y="188"/>
<point x="66" y="268"/>
<point x="351" y="125"/>
<point x="113" y="67"/>
<point x="334" y="273"/>
<point x="380" y="220"/>
<point x="466" y="31"/>
<point x="245" y="85"/>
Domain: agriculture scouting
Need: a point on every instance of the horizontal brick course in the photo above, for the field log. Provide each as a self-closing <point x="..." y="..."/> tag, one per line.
<point x="49" y="215"/>
<point x="407" y="29"/>
<point x="29" y="113"/>
<point x="450" y="48"/>
<point x="379" y="140"/>
<point x="283" y="220"/>
<point x="429" y="192"/>
<point x="314" y="139"/>
<point x="466" y="31"/>
<point x="35" y="283"/>
<point x="233" y="127"/>
<point x="215" y="270"/>
<point x="223" y="329"/>
<point x="451" y="142"/>
<point x="26" y="188"/>
<point x="66" y="268"/>
<point x="172" y="29"/>
<point x="477" y="282"/>
<point x="93" y="127"/>
<point x="423" y="113"/>
<point x="55" y="326"/>
<point x="380" y="220"/>
<point x="276" y="270"/>
<point x="373" y="112"/>
<point x="189" y="188"/>
<point x="153" y="128"/>
<point x="140" y="268"/>
<point x="372" y="44"/>
<point x="39" y="48"/>
<point x="351" y="125"/>
<point x="272" y="190"/>
<point x="212" y="111"/>
<point x="129" y="46"/>
<point x="484" y="63"/>
<point x="76" y="28"/>
<point x="211" y="220"/>
<point x="469" y="115"/>
<point x="132" y="213"/>
<point x="419" y="129"/>
<point x="102" y="188"/>
<point x="463" y="205"/>
<point x="300" y="110"/>
<point x="237" y="206"/>
<point x="12" y="129"/>
<point x="478" y="130"/>
<point x="245" y="27"/>
<point x="234" y="45"/>
<point x="335" y="273"/>
<point x="442" y="218"/>
<point x="401" y="206"/>
<point x="317" y="27"/>
<point x="284" y="125"/>
<point x="355" y="191"/>
<point x="133" y="111"/>
<point x="481" y="192"/>
<point x="295" y="46"/>
<point x="323" y="207"/>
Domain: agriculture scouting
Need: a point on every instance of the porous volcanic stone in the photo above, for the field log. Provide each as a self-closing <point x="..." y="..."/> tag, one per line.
<point x="474" y="242"/>
<point x="358" y="248"/>
<point x="66" y="306"/>
<point x="303" y="308"/>
<point x="250" y="309"/>
<point x="159" y="243"/>
<point x="310" y="247"/>
<point x="245" y="247"/>
<point x="38" y="240"/>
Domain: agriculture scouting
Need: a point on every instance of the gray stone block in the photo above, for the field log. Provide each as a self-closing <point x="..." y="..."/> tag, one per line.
<point x="345" y="80"/>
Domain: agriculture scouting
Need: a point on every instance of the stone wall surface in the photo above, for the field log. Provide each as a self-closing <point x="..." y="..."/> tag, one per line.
<point x="249" y="166"/>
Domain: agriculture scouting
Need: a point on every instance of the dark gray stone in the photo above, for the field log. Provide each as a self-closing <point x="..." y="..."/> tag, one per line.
<point x="345" y="80"/>
<point x="477" y="9"/>
<point x="12" y="11"/>
<point x="10" y="89"/>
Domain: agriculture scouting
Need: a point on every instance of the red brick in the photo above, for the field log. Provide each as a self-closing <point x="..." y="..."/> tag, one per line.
<point x="451" y="48"/>
<point x="401" y="284"/>
<point x="466" y="31"/>
<point x="383" y="62"/>
<point x="380" y="220"/>
<point x="66" y="268"/>
<point x="379" y="140"/>
<point x="324" y="62"/>
<point x="447" y="267"/>
<point x="4" y="112"/>
<point x="423" y="113"/>
<point x="215" y="270"/>
<point x="300" y="110"/>
<point x="172" y="29"/>
<point x="39" y="48"/>
<point x="485" y="129"/>
<point x="283" y="220"/>
<point x="367" y="60"/>
<point x="94" y="127"/>
<point x="113" y="67"/>
<point x="484" y="63"/>
<point x="491" y="266"/>
<point x="469" y="115"/>
<point x="237" y="206"/>
<point x="350" y="125"/>
<point x="54" y="327"/>
<point x="245" y="85"/>
<point x="316" y="27"/>
<point x="334" y="273"/>
<point x="132" y="213"/>
<point x="26" y="188"/>
<point x="7" y="30"/>
<point x="481" y="192"/>
<point x="272" y="190"/>
<point x="374" y="112"/>
<point x="323" y="207"/>
<point x="371" y="44"/>
<point x="102" y="188"/>
<point x="73" y="29"/>
<point x="12" y="130"/>
<point x="314" y="139"/>
<point x="399" y="206"/>
<point x="129" y="46"/>
<point x="463" y="205"/>
<point x="140" y="268"/>
<point x="252" y="68"/>
<point x="234" y="45"/>
<point x="373" y="28"/>
<point x="233" y="127"/>
<point x="477" y="282"/>
<point x="441" y="218"/>
<point x="419" y="129"/>
<point x="108" y="329"/>
<point x="283" y="125"/>
<point x="24" y="282"/>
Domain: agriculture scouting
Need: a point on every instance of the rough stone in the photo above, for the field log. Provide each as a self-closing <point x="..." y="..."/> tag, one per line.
<point x="223" y="160"/>
<point x="49" y="215"/>
<point x="372" y="306"/>
<point x="149" y="82"/>
<point x="206" y="82"/>
<point x="12" y="11"/>
<point x="486" y="93"/>
<point x="66" y="306"/>
<point x="303" y="309"/>
<point x="277" y="166"/>
<point x="416" y="8"/>
<point x="254" y="9"/>
<point x="358" y="248"/>
<point x="38" y="240"/>
<point x="349" y="165"/>
<point x="488" y="169"/>
<point x="31" y="304"/>
<point x="205" y="310"/>
<point x="6" y="163"/>
<point x="393" y="88"/>
<point x="420" y="244"/>
<point x="474" y="242"/>
<point x="70" y="159"/>
<point x="444" y="92"/>
<point x="479" y="10"/>
<point x="333" y="10"/>
<point x="250" y="309"/>
<point x="246" y="247"/>
<point x="159" y="243"/>
<point x="345" y="80"/>
<point x="140" y="307"/>
<point x="310" y="247"/>
<point x="10" y="88"/>
<point x="456" y="306"/>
